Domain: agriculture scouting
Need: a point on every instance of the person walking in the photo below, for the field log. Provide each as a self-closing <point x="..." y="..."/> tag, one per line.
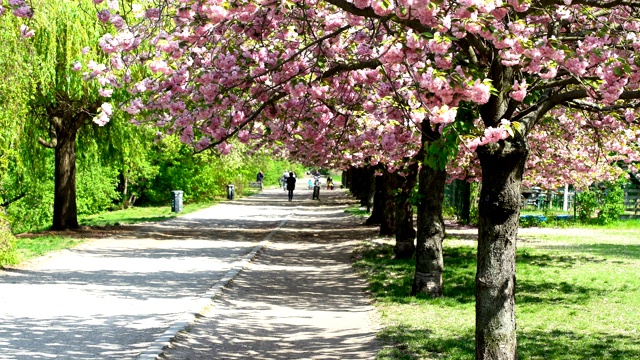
<point x="291" y="185"/>
<point x="260" y="176"/>
<point x="285" y="175"/>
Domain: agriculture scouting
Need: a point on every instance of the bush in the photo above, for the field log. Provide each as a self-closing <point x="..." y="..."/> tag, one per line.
<point x="96" y="189"/>
<point x="612" y="205"/>
<point x="587" y="204"/>
<point x="607" y="201"/>
<point x="8" y="255"/>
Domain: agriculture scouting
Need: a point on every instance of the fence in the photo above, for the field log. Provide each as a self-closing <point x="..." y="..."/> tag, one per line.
<point x="632" y="200"/>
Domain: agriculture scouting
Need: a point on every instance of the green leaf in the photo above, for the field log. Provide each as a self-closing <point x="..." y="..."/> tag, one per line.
<point x="519" y="127"/>
<point x="618" y="71"/>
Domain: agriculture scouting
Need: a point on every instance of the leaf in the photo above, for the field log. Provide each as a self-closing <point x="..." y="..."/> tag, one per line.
<point x="517" y="126"/>
<point x="618" y="71"/>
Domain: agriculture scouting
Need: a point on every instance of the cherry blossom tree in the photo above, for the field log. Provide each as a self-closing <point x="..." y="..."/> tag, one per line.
<point x="366" y="79"/>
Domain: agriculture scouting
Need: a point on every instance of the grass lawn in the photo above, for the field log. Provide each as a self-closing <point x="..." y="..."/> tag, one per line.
<point x="139" y="214"/>
<point x="577" y="296"/>
<point x="29" y="246"/>
<point x="32" y="247"/>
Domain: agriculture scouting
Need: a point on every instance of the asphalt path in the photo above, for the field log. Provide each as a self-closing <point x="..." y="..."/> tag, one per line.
<point x="113" y="298"/>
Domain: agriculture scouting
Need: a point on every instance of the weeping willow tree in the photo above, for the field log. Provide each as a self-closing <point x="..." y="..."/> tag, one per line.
<point x="14" y="92"/>
<point x="62" y="102"/>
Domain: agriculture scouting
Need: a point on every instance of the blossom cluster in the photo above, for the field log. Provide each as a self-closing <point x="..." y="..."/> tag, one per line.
<point x="333" y="86"/>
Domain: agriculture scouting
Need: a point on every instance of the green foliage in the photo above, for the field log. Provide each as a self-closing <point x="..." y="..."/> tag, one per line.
<point x="612" y="205"/>
<point x="586" y="205"/>
<point x="35" y="210"/>
<point x="531" y="221"/>
<point x="439" y="152"/>
<point x="473" y="210"/>
<point x="8" y="255"/>
<point x="607" y="201"/>
<point x="34" y="246"/>
<point x="136" y="215"/>
<point x="62" y="30"/>
<point x="448" y="210"/>
<point x="357" y="212"/>
<point x="95" y="188"/>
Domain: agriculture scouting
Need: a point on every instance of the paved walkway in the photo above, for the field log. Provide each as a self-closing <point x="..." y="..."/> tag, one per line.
<point x="116" y="298"/>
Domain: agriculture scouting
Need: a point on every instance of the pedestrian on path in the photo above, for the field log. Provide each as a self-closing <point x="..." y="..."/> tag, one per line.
<point x="291" y="185"/>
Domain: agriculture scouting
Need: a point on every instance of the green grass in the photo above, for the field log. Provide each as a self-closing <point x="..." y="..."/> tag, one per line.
<point x="357" y="212"/>
<point x="139" y="214"/>
<point x="577" y="297"/>
<point x="32" y="247"/>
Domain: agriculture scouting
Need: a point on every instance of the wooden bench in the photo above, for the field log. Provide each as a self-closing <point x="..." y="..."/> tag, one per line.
<point x="256" y="185"/>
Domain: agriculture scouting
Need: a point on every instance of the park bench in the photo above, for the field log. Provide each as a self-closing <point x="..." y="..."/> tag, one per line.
<point x="257" y="185"/>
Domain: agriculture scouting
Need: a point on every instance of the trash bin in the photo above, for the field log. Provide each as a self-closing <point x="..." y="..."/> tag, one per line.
<point x="176" y="201"/>
<point x="231" y="192"/>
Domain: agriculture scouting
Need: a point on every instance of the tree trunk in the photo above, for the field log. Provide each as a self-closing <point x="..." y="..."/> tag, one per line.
<point x="370" y="188"/>
<point x="378" y="202"/>
<point x="125" y="189"/>
<point x="429" y="261"/>
<point x="346" y="178"/>
<point x="405" y="233"/>
<point x="499" y="210"/>
<point x="366" y="176"/>
<point x="388" y="224"/>
<point x="65" y="210"/>
<point x="355" y="183"/>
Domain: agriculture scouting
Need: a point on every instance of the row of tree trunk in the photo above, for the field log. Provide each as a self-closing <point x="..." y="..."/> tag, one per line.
<point x="389" y="197"/>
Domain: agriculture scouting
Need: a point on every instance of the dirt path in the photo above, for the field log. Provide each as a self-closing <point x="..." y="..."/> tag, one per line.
<point x="298" y="299"/>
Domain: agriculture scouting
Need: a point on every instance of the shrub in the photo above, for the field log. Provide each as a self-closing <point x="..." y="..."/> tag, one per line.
<point x="587" y="204"/>
<point x="8" y="255"/>
<point x="612" y="205"/>
<point x="607" y="201"/>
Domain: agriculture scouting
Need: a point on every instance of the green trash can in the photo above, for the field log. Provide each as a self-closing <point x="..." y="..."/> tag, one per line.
<point x="176" y="201"/>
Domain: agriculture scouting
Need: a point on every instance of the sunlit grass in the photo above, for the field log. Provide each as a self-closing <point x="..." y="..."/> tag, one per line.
<point x="139" y="214"/>
<point x="357" y="212"/>
<point x="30" y="247"/>
<point x="578" y="297"/>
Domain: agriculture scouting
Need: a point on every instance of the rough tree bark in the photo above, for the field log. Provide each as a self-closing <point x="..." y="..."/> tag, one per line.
<point x="66" y="117"/>
<point x="502" y="165"/>
<point x="405" y="233"/>
<point x="378" y="202"/>
<point x="346" y="178"/>
<point x="65" y="209"/>
<point x="389" y="185"/>
<point x="369" y="187"/>
<point x="431" y="232"/>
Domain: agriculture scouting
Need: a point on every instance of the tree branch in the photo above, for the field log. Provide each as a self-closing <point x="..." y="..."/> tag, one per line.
<point x="251" y="118"/>
<point x="8" y="202"/>
<point x="370" y="64"/>
<point x="47" y="144"/>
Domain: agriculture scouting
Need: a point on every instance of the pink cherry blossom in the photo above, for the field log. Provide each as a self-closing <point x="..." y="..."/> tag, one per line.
<point x="104" y="15"/>
<point x="23" y="11"/>
<point x="519" y="91"/>
<point x="26" y="32"/>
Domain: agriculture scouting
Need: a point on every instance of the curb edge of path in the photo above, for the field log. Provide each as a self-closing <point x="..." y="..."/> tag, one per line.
<point x="156" y="349"/>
